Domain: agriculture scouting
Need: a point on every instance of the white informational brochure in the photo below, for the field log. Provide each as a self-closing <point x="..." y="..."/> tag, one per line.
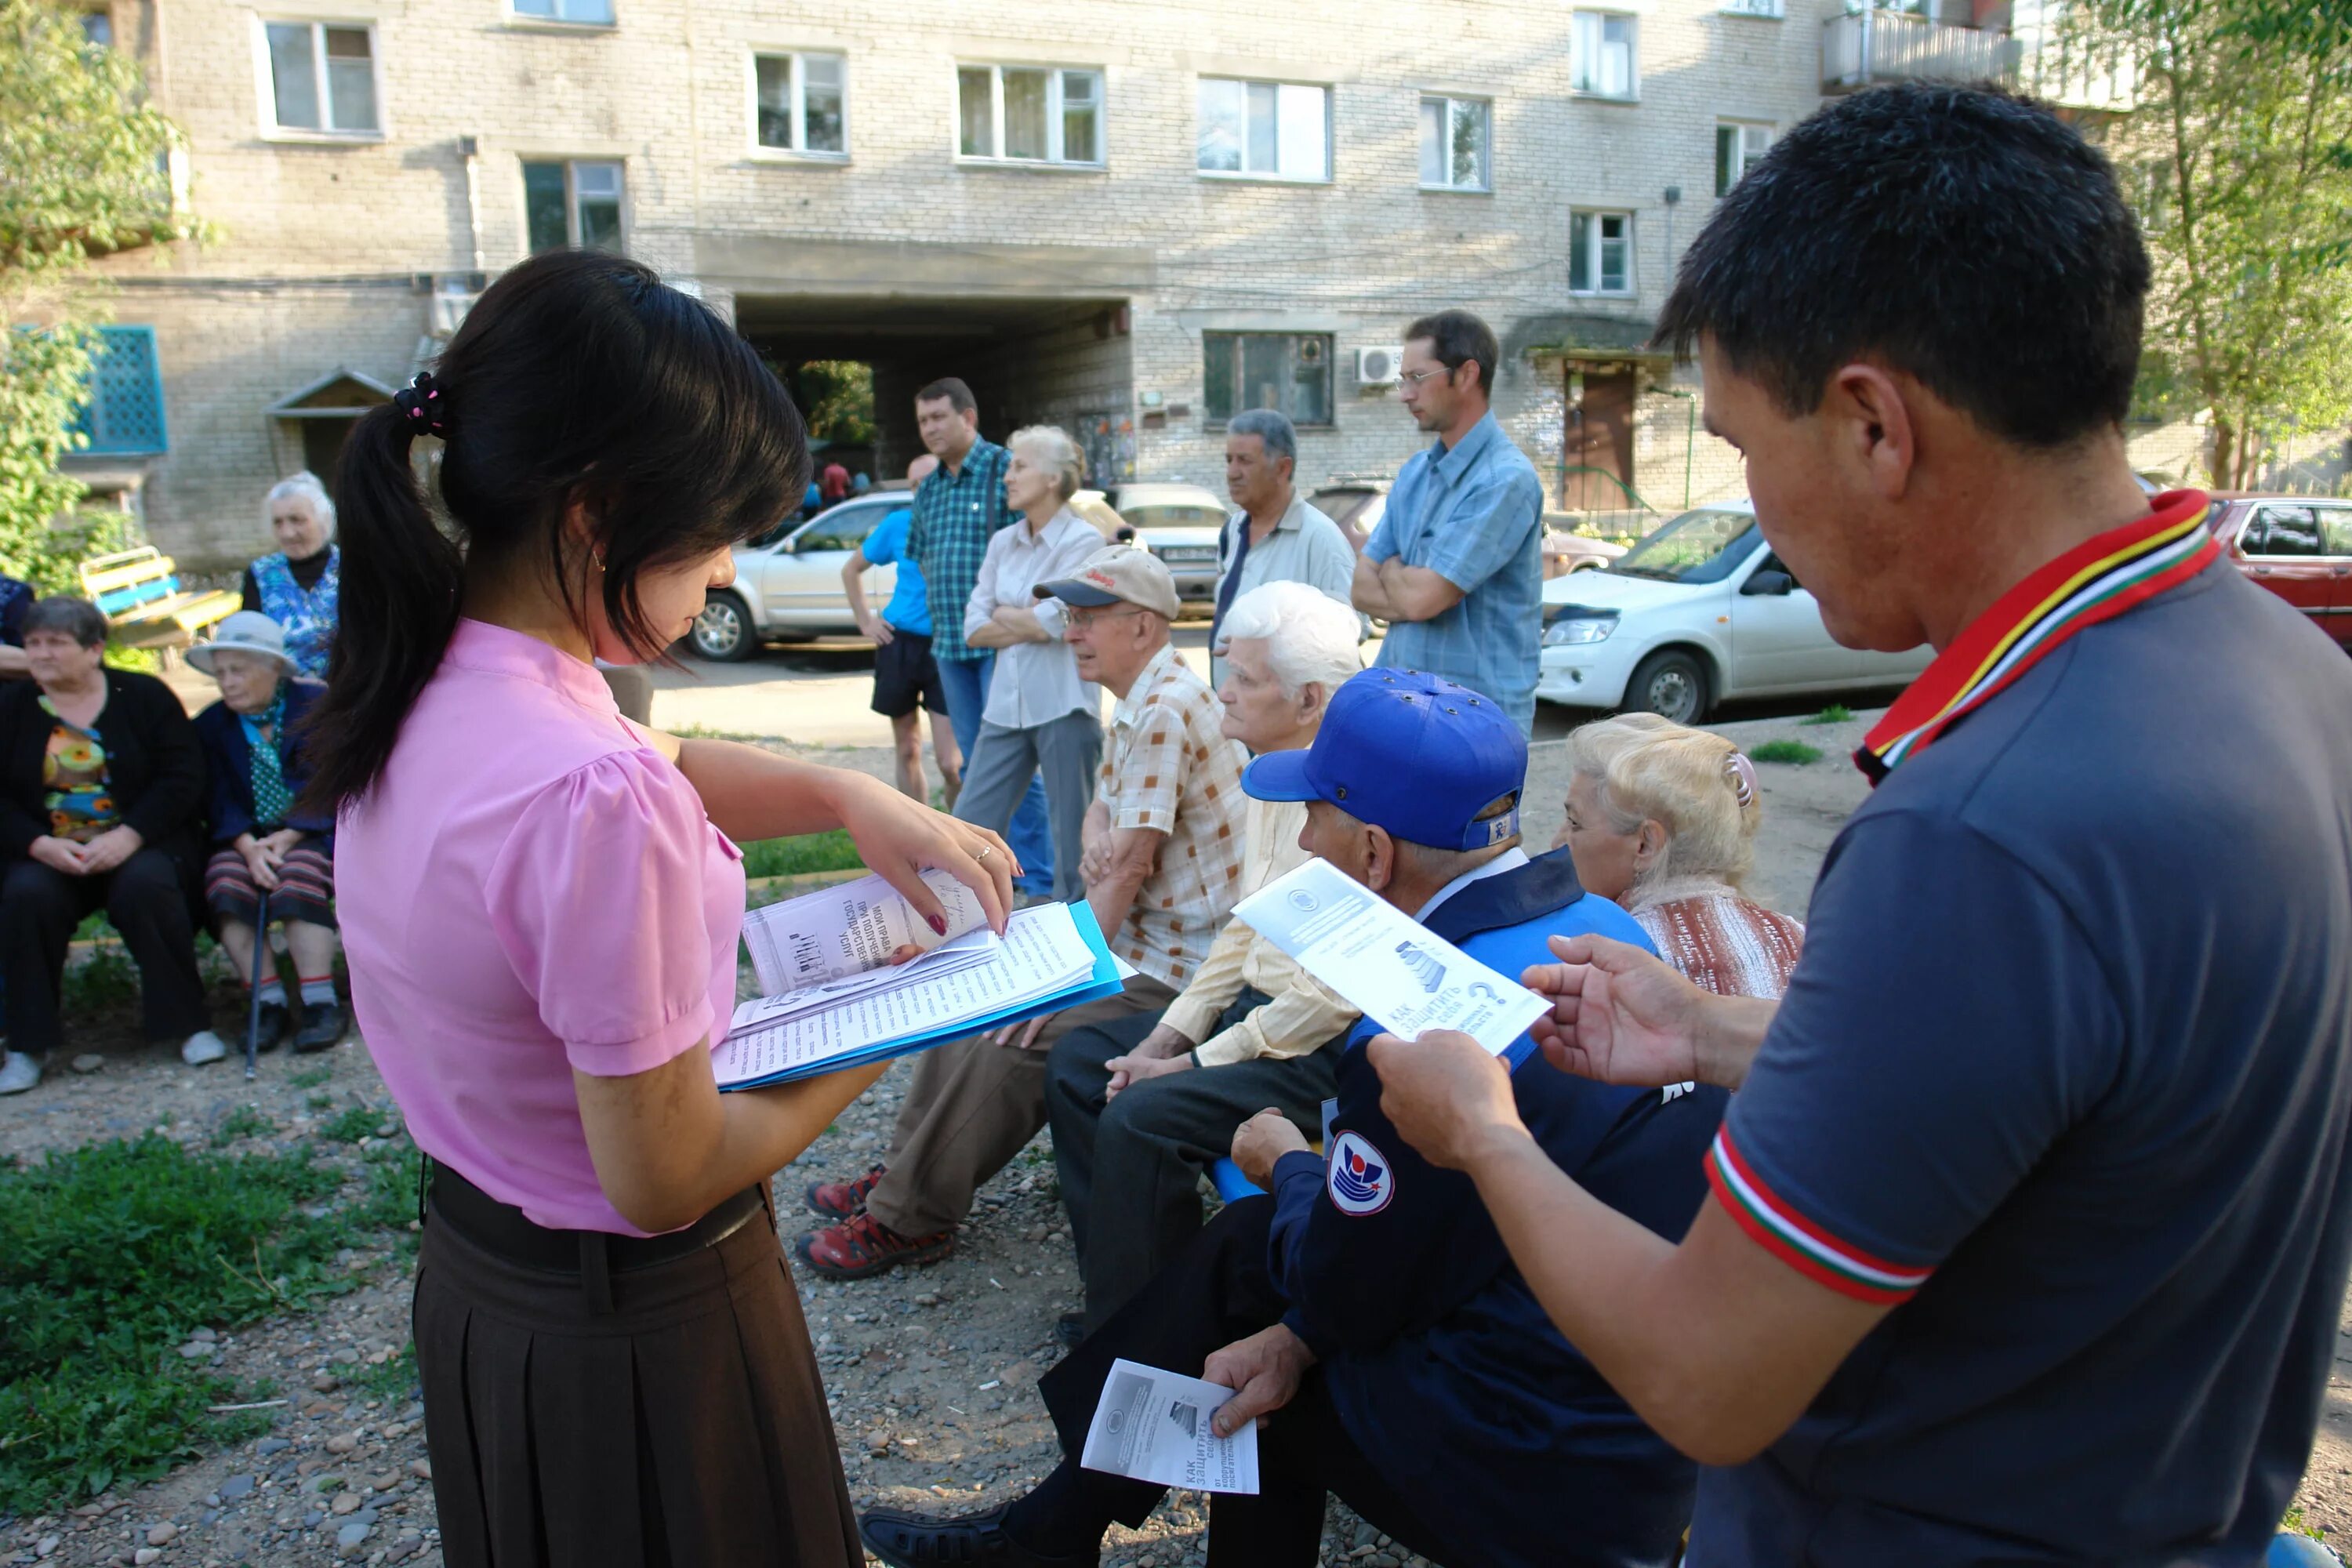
<point x="835" y="933"/>
<point x="1154" y="1426"/>
<point x="1403" y="976"/>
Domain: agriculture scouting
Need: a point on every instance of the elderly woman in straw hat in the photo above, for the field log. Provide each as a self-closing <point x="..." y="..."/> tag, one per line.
<point x="264" y="840"/>
<point x="1662" y="820"/>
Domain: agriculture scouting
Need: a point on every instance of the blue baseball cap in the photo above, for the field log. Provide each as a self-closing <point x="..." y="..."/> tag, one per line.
<point x="1413" y="753"/>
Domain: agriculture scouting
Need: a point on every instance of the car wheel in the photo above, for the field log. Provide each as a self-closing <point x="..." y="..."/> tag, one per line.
<point x="723" y="633"/>
<point x="1671" y="683"/>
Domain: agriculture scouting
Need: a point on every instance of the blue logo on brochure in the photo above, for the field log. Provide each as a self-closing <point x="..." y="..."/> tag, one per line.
<point x="1359" y="1180"/>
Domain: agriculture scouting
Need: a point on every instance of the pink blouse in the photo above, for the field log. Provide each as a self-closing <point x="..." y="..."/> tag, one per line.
<point x="529" y="889"/>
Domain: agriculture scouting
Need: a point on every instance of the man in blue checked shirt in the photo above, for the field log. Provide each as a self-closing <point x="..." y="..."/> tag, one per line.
<point x="1455" y="566"/>
<point x="957" y="510"/>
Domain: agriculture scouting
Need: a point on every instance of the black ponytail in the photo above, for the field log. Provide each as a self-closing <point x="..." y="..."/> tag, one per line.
<point x="579" y="377"/>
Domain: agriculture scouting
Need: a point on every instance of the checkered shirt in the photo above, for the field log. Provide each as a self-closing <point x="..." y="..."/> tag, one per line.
<point x="955" y="514"/>
<point x="1168" y="768"/>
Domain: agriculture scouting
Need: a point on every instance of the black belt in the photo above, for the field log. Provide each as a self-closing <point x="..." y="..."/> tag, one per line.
<point x="593" y="1256"/>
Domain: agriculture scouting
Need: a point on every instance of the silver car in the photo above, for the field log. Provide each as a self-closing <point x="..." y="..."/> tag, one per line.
<point x="1178" y="524"/>
<point x="788" y="582"/>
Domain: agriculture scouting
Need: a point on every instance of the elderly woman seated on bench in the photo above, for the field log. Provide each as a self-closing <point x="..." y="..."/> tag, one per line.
<point x="264" y="844"/>
<point x="101" y="795"/>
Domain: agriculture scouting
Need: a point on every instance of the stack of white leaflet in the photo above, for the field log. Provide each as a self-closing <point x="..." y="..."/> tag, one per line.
<point x="840" y="1001"/>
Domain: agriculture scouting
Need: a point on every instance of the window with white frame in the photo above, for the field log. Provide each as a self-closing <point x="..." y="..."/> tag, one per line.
<point x="587" y="13"/>
<point x="1601" y="252"/>
<point x="322" y="78"/>
<point x="1265" y="130"/>
<point x="802" y="104"/>
<point x="572" y="204"/>
<point x="1601" y="57"/>
<point x="1753" y="7"/>
<point x="1456" y="134"/>
<point x="1030" y="114"/>
<point x="1738" y="148"/>
<point x="1289" y="371"/>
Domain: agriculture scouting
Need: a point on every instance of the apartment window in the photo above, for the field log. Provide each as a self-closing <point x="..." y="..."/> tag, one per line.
<point x="98" y="27"/>
<point x="1601" y="55"/>
<point x="1286" y="371"/>
<point x="1273" y="131"/>
<point x="1455" y="135"/>
<point x="802" y="106"/>
<point x="322" y="78"/>
<point x="1738" y="149"/>
<point x="572" y="205"/>
<point x="1030" y="114"/>
<point x="587" y="13"/>
<point x="1601" y="252"/>
<point x="1753" y="7"/>
<point x="124" y="415"/>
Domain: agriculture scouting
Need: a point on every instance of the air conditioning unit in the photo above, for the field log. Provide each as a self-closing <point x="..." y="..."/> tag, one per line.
<point x="1379" y="367"/>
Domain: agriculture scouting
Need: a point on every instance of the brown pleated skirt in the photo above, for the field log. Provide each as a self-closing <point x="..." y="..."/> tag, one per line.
<point x="686" y="1428"/>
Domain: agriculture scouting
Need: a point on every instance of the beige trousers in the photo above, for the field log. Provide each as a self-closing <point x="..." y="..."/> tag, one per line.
<point x="973" y="1105"/>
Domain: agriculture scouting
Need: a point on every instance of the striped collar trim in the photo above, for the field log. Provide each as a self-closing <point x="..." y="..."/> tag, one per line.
<point x="2096" y="581"/>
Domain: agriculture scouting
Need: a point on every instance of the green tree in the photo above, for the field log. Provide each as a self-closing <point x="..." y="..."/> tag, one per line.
<point x="2241" y="151"/>
<point x="84" y="173"/>
<point x="838" y="396"/>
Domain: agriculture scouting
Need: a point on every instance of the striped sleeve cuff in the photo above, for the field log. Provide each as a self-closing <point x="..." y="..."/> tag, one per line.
<point x="1796" y="1241"/>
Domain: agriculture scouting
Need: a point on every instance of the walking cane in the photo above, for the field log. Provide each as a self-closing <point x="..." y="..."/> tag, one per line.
<point x="260" y="957"/>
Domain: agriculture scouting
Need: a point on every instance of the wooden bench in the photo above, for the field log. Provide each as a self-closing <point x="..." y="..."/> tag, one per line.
<point x="138" y="592"/>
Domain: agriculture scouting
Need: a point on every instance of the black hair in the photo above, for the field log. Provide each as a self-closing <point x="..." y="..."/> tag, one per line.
<point x="950" y="387"/>
<point x="77" y="618"/>
<point x="1457" y="338"/>
<point x="1963" y="236"/>
<point x="577" y="377"/>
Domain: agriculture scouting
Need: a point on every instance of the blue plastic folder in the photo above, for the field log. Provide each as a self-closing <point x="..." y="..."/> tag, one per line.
<point x="1103" y="982"/>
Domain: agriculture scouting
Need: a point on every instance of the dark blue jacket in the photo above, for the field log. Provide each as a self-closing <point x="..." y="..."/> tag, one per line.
<point x="15" y="599"/>
<point x="1439" y="1360"/>
<point x="230" y="759"/>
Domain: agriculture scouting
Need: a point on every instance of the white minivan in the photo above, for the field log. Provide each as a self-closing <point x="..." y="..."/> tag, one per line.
<point x="1699" y="611"/>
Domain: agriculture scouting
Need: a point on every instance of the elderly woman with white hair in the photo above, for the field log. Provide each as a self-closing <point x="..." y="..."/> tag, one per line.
<point x="298" y="584"/>
<point x="1662" y="820"/>
<point x="1141" y="1106"/>
<point x="1040" y="716"/>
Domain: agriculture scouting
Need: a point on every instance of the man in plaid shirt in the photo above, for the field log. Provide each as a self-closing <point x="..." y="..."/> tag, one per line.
<point x="957" y="510"/>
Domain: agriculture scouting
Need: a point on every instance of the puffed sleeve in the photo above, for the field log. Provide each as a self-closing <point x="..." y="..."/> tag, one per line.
<point x="597" y="900"/>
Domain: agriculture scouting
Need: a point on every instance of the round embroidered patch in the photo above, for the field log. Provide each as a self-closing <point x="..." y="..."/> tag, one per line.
<point x="1358" y="1176"/>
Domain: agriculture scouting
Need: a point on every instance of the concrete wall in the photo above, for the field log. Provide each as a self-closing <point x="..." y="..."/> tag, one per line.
<point x="321" y="241"/>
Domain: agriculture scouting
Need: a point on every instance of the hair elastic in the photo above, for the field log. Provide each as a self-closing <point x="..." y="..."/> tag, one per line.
<point x="1742" y="774"/>
<point x="425" y="406"/>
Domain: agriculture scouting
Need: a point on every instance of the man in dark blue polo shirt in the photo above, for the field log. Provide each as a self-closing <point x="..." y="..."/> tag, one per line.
<point x="1368" y="1303"/>
<point x="2029" y="1227"/>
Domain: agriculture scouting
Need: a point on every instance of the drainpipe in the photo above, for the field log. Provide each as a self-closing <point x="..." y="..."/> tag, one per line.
<point x="471" y="148"/>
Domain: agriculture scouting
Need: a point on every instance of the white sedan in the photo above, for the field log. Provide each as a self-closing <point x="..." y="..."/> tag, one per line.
<point x="1699" y="611"/>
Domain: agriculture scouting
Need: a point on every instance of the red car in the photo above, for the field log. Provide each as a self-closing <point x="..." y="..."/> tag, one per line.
<point x="2299" y="547"/>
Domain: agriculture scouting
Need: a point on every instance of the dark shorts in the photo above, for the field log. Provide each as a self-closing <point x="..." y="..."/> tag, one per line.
<point x="905" y="674"/>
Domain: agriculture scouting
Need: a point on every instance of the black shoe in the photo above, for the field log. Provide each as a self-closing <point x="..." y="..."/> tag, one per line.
<point x="272" y="1032"/>
<point x="1070" y="1329"/>
<point x="913" y="1541"/>
<point x="322" y="1025"/>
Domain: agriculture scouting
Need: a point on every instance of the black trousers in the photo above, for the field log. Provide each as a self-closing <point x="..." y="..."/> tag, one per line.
<point x="1217" y="1291"/>
<point x="146" y="897"/>
<point x="1130" y="1168"/>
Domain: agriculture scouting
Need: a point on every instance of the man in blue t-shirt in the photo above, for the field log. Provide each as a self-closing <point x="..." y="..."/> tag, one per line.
<point x="2031" y="1216"/>
<point x="1367" y="1305"/>
<point x="906" y="676"/>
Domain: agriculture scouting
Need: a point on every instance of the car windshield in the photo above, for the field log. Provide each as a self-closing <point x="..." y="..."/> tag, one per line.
<point x="1696" y="547"/>
<point x="1177" y="514"/>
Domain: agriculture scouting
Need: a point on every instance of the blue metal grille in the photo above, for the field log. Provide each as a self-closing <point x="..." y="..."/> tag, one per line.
<point x="124" y="416"/>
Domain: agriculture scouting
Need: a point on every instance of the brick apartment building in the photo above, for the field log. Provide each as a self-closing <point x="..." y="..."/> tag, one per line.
<point x="1128" y="218"/>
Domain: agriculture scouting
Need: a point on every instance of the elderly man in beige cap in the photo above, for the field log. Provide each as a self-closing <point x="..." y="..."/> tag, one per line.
<point x="1162" y="866"/>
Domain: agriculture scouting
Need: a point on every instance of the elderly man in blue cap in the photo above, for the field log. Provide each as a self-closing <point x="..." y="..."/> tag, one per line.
<point x="1366" y="1307"/>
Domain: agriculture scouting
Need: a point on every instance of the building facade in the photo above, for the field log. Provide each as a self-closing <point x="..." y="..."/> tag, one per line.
<point x="1127" y="219"/>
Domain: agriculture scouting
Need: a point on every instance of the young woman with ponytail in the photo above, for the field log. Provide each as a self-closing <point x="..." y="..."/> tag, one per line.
<point x="541" y="904"/>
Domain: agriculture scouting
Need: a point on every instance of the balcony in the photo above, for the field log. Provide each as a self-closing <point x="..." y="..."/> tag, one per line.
<point x="1868" y="47"/>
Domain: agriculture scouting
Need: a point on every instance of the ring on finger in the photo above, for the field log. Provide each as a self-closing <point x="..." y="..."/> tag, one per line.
<point x="985" y="851"/>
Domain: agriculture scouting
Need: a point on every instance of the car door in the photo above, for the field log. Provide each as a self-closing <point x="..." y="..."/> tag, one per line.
<point x="2285" y="552"/>
<point x="1778" y="641"/>
<point x="801" y="588"/>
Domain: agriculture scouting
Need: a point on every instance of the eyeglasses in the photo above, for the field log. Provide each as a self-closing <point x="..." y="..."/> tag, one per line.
<point x="1415" y="377"/>
<point x="1080" y="620"/>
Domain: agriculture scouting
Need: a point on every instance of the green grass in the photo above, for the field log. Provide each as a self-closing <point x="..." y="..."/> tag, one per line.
<point x="1835" y="714"/>
<point x="110" y="1256"/>
<point x="309" y="1077"/>
<point x="1785" y="752"/>
<point x="245" y="1121"/>
<point x="2293" y="1524"/>
<point x="357" y="1123"/>
<point x="797" y="857"/>
<point x="390" y="1379"/>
